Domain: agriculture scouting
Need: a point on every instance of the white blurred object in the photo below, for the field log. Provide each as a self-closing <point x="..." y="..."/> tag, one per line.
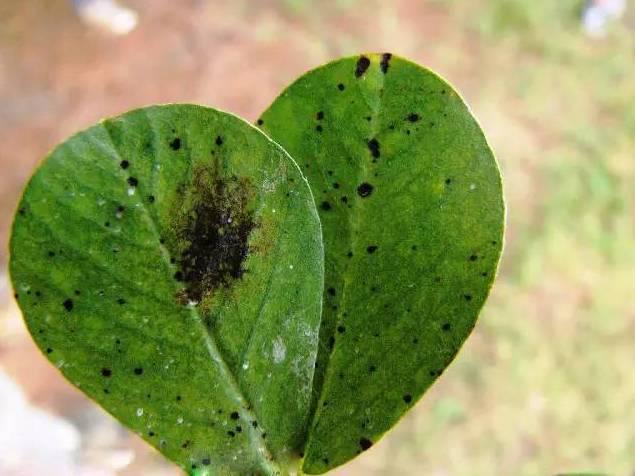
<point x="107" y="14"/>
<point x="599" y="13"/>
<point x="32" y="441"/>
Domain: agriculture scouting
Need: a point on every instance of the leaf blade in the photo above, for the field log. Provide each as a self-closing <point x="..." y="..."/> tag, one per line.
<point x="105" y="256"/>
<point x="410" y="199"/>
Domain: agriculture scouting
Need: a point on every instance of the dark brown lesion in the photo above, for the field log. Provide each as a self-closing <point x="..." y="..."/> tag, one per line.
<point x="384" y="64"/>
<point x="214" y="218"/>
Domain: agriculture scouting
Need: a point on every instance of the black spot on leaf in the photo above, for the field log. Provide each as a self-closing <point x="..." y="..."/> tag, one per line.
<point x="331" y="291"/>
<point x="175" y="144"/>
<point x="365" y="443"/>
<point x="68" y="304"/>
<point x="407" y="398"/>
<point x="364" y="190"/>
<point x="151" y="198"/>
<point x="371" y="249"/>
<point x="373" y="146"/>
<point x="362" y="65"/>
<point x="326" y="206"/>
<point x="412" y="117"/>
<point x="341" y="329"/>
<point x="318" y="128"/>
<point x="260" y="122"/>
<point x="446" y="327"/>
<point x="124" y="164"/>
<point x="106" y="372"/>
<point x="341" y="87"/>
<point x="234" y="416"/>
<point x="133" y="182"/>
<point x="138" y="371"/>
<point x="219" y="140"/>
<point x="385" y="62"/>
<point x="320" y="115"/>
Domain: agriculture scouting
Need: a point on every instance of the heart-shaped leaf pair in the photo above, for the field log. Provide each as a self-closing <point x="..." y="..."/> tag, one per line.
<point x="170" y="263"/>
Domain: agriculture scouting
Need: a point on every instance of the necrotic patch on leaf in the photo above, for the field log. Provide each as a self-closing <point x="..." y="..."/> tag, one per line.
<point x="212" y="228"/>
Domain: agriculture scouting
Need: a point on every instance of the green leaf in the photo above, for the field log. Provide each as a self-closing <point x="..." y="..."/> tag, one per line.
<point x="169" y="262"/>
<point x="410" y="200"/>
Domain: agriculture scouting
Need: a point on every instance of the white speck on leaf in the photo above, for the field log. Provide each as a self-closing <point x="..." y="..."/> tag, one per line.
<point x="472" y="186"/>
<point x="279" y="350"/>
<point x="139" y="412"/>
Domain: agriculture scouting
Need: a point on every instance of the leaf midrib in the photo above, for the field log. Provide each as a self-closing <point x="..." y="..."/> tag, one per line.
<point x="353" y="227"/>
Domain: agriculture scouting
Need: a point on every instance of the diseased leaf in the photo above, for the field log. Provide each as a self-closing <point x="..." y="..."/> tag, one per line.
<point x="410" y="200"/>
<point x="169" y="262"/>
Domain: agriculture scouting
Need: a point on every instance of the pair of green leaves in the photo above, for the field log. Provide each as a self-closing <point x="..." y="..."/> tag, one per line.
<point x="250" y="313"/>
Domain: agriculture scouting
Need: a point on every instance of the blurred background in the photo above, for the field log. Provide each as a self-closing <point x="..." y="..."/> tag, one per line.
<point x="546" y="384"/>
